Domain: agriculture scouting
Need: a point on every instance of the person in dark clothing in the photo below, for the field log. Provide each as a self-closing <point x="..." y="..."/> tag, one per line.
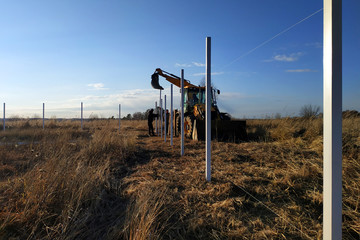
<point x="151" y="117"/>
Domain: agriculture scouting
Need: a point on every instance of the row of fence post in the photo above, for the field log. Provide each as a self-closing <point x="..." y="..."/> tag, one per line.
<point x="43" y="116"/>
<point x="207" y="117"/>
<point x="163" y="120"/>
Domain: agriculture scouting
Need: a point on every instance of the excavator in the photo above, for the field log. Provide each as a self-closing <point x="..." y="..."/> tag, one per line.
<point x="223" y="128"/>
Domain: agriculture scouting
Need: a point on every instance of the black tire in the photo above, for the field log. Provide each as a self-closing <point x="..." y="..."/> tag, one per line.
<point x="188" y="127"/>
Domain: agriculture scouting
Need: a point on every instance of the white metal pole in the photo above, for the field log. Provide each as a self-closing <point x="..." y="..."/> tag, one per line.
<point x="4" y="117"/>
<point x="208" y="110"/>
<point x="182" y="112"/>
<point x="156" y="122"/>
<point x="160" y="108"/>
<point x="81" y="115"/>
<point x="332" y="62"/>
<point x="119" y="117"/>
<point x="165" y="118"/>
<point x="171" y="114"/>
<point x="161" y="116"/>
<point x="43" y="115"/>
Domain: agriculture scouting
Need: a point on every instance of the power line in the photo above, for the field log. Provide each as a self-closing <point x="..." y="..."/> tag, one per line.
<point x="272" y="38"/>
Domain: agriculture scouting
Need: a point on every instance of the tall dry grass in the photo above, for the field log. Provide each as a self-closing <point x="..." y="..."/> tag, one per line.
<point x="99" y="184"/>
<point x="68" y="186"/>
<point x="304" y="137"/>
<point x="281" y="167"/>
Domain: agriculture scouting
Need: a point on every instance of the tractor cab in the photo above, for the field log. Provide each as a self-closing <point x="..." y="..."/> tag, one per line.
<point x="193" y="96"/>
<point x="195" y="99"/>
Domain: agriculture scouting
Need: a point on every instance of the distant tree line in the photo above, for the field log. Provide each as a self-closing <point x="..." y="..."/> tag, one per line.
<point x="137" y="115"/>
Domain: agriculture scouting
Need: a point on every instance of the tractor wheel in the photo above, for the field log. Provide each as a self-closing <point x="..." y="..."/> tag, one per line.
<point x="188" y="127"/>
<point x="177" y="125"/>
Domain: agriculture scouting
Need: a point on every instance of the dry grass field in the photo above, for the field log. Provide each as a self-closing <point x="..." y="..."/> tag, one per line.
<point x="97" y="183"/>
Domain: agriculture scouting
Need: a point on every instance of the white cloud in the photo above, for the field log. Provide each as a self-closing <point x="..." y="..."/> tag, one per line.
<point x="106" y="105"/>
<point x="135" y="100"/>
<point x="203" y="74"/>
<point x="96" y="86"/>
<point x="197" y="64"/>
<point x="182" y="65"/>
<point x="300" y="70"/>
<point x="285" y="58"/>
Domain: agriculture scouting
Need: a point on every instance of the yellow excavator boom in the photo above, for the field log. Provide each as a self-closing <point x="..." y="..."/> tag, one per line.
<point x="171" y="78"/>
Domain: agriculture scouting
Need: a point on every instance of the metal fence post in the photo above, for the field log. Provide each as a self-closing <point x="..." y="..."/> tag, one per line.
<point x="208" y="109"/>
<point x="4" y="117"/>
<point x="171" y="114"/>
<point x="81" y="115"/>
<point x="161" y="116"/>
<point x="182" y="112"/>
<point x="119" y="116"/>
<point x="43" y="115"/>
<point x="156" y="121"/>
<point x="165" y="119"/>
<point x="332" y="185"/>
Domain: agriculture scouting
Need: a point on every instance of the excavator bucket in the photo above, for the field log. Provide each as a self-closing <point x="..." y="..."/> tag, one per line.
<point x="155" y="81"/>
<point x="222" y="130"/>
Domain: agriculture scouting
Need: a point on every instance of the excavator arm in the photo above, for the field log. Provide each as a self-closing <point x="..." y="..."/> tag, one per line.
<point x="170" y="77"/>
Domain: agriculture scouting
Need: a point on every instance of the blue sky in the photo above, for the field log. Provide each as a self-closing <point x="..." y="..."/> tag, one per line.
<point x="102" y="53"/>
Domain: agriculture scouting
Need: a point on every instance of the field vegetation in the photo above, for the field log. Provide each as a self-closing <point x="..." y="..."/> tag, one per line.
<point x="65" y="182"/>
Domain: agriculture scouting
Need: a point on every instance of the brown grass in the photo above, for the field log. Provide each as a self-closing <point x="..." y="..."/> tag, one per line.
<point x="96" y="183"/>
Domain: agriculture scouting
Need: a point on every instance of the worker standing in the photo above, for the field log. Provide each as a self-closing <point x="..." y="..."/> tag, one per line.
<point x="151" y="117"/>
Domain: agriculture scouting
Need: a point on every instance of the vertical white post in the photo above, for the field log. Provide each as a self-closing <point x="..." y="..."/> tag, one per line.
<point x="119" y="116"/>
<point x="4" y="117"/>
<point x="208" y="110"/>
<point x="156" y="121"/>
<point x="43" y="115"/>
<point x="171" y="114"/>
<point x="182" y="112"/>
<point x="81" y="115"/>
<point x="165" y="118"/>
<point x="332" y="62"/>
<point x="161" y="116"/>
